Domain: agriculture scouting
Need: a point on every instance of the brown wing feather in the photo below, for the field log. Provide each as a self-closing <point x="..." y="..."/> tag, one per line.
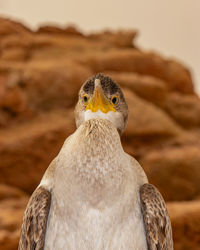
<point x="156" y="219"/>
<point x="35" y="218"/>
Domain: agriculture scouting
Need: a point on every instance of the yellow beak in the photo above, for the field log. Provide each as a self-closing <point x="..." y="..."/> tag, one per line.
<point x="99" y="102"/>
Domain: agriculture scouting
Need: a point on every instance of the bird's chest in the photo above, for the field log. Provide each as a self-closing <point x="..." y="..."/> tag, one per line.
<point x="90" y="180"/>
<point x="103" y="226"/>
<point x="95" y="206"/>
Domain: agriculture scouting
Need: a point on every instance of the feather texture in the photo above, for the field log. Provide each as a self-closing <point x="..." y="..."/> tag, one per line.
<point x="35" y="218"/>
<point x="156" y="219"/>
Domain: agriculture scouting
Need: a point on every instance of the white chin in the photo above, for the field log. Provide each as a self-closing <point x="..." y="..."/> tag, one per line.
<point x="115" y="117"/>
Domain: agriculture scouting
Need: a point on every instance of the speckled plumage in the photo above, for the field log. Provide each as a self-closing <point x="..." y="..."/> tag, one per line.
<point x="108" y="85"/>
<point x="35" y="220"/>
<point x="100" y="198"/>
<point x="156" y="219"/>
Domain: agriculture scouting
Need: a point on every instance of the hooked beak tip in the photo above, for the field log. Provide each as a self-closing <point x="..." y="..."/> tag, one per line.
<point x="97" y="83"/>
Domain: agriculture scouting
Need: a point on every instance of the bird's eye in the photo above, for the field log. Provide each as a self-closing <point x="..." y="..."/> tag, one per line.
<point x="85" y="98"/>
<point x="115" y="99"/>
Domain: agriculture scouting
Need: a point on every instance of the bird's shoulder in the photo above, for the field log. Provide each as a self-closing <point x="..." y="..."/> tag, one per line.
<point x="137" y="169"/>
<point x="48" y="177"/>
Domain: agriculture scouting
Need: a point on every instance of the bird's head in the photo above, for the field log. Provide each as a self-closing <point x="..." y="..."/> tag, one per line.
<point x="101" y="97"/>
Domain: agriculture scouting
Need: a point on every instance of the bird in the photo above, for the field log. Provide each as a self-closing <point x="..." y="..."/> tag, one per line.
<point x="93" y="195"/>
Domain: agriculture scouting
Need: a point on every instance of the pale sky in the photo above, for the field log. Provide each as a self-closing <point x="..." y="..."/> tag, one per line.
<point x="171" y="27"/>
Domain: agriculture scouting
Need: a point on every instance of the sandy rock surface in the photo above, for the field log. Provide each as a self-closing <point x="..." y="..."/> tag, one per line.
<point x="185" y="217"/>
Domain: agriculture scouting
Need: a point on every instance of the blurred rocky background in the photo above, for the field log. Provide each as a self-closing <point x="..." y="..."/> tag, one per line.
<point x="40" y="75"/>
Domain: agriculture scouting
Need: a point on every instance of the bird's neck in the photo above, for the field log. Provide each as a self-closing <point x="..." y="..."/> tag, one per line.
<point x="97" y="156"/>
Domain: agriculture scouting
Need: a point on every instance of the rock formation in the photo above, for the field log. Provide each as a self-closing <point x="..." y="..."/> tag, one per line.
<point x="40" y="75"/>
